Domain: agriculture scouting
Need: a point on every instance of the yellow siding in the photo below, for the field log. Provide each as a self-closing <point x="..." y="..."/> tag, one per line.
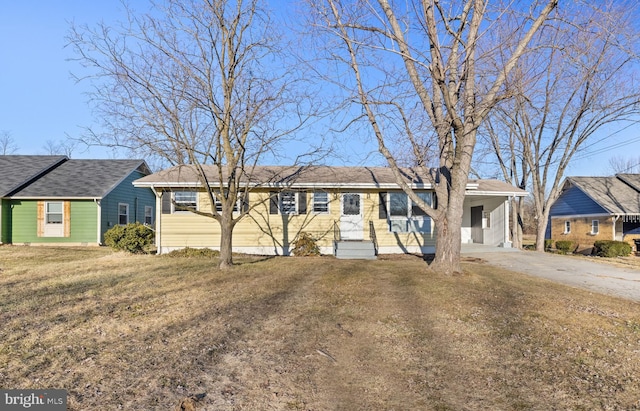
<point x="276" y="231"/>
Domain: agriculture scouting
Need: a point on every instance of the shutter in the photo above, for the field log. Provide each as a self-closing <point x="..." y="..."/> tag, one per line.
<point x="302" y="202"/>
<point x="245" y="202"/>
<point x="273" y="202"/>
<point x="166" y="202"/>
<point x="40" y="218"/>
<point x="66" y="218"/>
<point x="382" y="206"/>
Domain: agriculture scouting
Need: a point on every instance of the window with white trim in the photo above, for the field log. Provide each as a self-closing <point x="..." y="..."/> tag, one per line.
<point x="595" y="227"/>
<point x="236" y="206"/>
<point x="185" y="201"/>
<point x="407" y="216"/>
<point x="288" y="203"/>
<point x="567" y="227"/>
<point x="123" y="214"/>
<point x="320" y="202"/>
<point x="148" y="215"/>
<point x="53" y="213"/>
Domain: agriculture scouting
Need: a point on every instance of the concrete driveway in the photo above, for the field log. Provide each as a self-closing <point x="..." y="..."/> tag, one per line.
<point x="578" y="272"/>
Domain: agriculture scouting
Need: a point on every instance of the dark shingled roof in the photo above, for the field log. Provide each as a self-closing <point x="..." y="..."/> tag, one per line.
<point x="618" y="195"/>
<point x="313" y="176"/>
<point x="82" y="179"/>
<point x="16" y="170"/>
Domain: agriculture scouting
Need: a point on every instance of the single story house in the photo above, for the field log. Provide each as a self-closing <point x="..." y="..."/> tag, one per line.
<point x="55" y="200"/>
<point x="596" y="208"/>
<point x="340" y="207"/>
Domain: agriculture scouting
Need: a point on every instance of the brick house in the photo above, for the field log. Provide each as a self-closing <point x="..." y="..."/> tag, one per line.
<point x="597" y="208"/>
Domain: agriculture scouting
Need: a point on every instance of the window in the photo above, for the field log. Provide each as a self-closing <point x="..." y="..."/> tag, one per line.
<point x="567" y="227"/>
<point x="123" y="214"/>
<point x="236" y="206"/>
<point x="53" y="213"/>
<point x="320" y="202"/>
<point x="595" y="226"/>
<point x="407" y="216"/>
<point x="398" y="205"/>
<point x="148" y="215"/>
<point x="185" y="200"/>
<point x="288" y="202"/>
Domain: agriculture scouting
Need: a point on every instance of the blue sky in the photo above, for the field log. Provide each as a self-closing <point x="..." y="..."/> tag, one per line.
<point x="40" y="102"/>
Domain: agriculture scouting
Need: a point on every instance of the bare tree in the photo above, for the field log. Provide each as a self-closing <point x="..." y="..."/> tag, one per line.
<point x="59" y="147"/>
<point x="196" y="82"/>
<point x="417" y="70"/>
<point x="620" y="164"/>
<point x="7" y="143"/>
<point x="580" y="79"/>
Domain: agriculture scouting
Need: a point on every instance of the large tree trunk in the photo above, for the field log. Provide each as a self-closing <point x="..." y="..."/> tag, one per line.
<point x="449" y="238"/>
<point x="541" y="225"/>
<point x="226" y="241"/>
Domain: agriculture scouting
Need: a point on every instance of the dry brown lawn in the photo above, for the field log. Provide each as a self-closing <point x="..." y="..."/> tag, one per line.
<point x="144" y="332"/>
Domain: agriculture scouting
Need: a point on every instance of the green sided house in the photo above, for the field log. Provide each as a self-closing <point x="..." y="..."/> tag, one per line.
<point x="350" y="211"/>
<point x="55" y="200"/>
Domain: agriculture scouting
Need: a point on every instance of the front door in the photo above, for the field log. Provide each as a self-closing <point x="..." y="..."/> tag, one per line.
<point x="351" y="219"/>
<point x="476" y="225"/>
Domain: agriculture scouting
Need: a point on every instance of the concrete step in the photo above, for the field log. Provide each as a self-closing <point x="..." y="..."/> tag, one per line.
<point x="356" y="250"/>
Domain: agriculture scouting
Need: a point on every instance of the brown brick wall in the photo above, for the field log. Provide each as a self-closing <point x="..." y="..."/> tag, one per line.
<point x="581" y="231"/>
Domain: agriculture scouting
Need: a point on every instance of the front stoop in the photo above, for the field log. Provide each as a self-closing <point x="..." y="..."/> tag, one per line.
<point x="355" y="250"/>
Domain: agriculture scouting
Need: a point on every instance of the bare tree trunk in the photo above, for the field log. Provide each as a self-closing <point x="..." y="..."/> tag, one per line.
<point x="541" y="225"/>
<point x="226" y="242"/>
<point x="449" y="239"/>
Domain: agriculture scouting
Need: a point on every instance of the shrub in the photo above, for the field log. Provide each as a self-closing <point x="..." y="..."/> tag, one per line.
<point x="305" y="246"/>
<point x="565" y="246"/>
<point x="194" y="252"/>
<point x="135" y="238"/>
<point x="548" y="243"/>
<point x="610" y="248"/>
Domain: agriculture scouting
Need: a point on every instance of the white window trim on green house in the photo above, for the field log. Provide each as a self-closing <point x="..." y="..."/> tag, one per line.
<point x="53" y="219"/>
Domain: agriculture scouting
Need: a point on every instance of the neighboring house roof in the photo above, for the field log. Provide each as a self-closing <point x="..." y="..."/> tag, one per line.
<point x="315" y="177"/>
<point x="619" y="195"/>
<point x="82" y="179"/>
<point x="17" y="171"/>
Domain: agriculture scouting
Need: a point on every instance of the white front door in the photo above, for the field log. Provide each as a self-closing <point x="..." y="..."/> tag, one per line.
<point x="351" y="218"/>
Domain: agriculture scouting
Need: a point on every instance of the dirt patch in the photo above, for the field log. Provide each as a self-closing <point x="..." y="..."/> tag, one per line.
<point x="145" y="332"/>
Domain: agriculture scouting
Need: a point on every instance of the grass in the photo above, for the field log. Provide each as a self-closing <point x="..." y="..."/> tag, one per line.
<point x="144" y="332"/>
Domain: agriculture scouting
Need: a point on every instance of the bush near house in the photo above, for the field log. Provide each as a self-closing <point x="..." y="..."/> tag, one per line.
<point x="610" y="248"/>
<point x="135" y="238"/>
<point x="305" y="246"/>
<point x="565" y="246"/>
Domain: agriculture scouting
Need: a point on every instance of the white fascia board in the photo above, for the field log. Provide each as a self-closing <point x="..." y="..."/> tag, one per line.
<point x="496" y="193"/>
<point x="47" y="198"/>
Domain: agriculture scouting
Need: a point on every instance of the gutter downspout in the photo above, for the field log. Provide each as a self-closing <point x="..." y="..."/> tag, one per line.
<point x="99" y="208"/>
<point x="158" y="221"/>
<point x="1" y="221"/>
